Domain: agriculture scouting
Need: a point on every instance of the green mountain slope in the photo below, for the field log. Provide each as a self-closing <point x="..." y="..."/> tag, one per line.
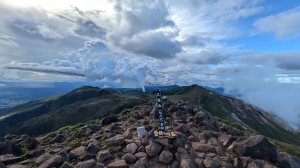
<point x="82" y="104"/>
<point x="236" y="112"/>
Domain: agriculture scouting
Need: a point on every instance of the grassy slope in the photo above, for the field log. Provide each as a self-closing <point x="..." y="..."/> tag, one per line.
<point x="220" y="106"/>
<point x="80" y="105"/>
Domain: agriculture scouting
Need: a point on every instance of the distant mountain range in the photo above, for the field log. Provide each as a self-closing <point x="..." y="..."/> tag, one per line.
<point x="13" y="93"/>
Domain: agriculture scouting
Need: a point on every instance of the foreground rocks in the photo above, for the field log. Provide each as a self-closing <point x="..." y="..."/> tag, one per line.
<point x="113" y="143"/>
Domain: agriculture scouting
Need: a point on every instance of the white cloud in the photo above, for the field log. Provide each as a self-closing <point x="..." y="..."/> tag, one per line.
<point x="284" y="24"/>
<point x="47" y="32"/>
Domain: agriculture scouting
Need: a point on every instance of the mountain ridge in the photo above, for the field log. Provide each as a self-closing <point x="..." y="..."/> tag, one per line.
<point x="95" y="102"/>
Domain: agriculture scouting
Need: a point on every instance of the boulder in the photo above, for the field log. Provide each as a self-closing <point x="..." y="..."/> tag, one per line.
<point x="103" y="156"/>
<point x="162" y="141"/>
<point x="116" y="140"/>
<point x="166" y="157"/>
<point x="225" y="139"/>
<point x="211" y="163"/>
<point x="153" y="149"/>
<point x="260" y="164"/>
<point x="131" y="148"/>
<point x="199" y="162"/>
<point x="199" y="147"/>
<point x="8" y="147"/>
<point x="58" y="138"/>
<point x="95" y="127"/>
<point x="17" y="166"/>
<point x="200" y="117"/>
<point x="256" y="146"/>
<point x="77" y="152"/>
<point x="42" y="158"/>
<point x="287" y="160"/>
<point x="53" y="161"/>
<point x="109" y="119"/>
<point x="241" y="161"/>
<point x="140" y="155"/>
<point x="141" y="149"/>
<point x="129" y="158"/>
<point x="141" y="163"/>
<point x="86" y="164"/>
<point x="66" y="165"/>
<point x="175" y="164"/>
<point x="128" y="134"/>
<point x="187" y="163"/>
<point x="35" y="153"/>
<point x="93" y="147"/>
<point x="118" y="164"/>
<point x="181" y="128"/>
<point x="9" y="159"/>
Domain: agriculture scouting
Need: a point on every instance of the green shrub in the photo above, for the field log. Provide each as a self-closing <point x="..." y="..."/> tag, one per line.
<point x="25" y="148"/>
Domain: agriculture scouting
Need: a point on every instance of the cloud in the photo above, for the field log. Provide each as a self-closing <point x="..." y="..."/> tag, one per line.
<point x="143" y="29"/>
<point x="153" y="44"/>
<point x="288" y="61"/>
<point x="284" y="24"/>
<point x="258" y="85"/>
<point x="202" y="57"/>
<point x="45" y="70"/>
<point x="285" y="61"/>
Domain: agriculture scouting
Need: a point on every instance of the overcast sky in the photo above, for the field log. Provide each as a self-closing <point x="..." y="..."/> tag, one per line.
<point x="250" y="47"/>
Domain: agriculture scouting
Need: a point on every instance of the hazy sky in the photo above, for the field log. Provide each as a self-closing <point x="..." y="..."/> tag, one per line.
<point x="252" y="47"/>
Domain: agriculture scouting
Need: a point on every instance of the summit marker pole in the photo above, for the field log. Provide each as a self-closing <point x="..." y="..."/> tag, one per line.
<point x="160" y="111"/>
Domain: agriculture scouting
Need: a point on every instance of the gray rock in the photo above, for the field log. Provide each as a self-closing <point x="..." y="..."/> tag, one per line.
<point x="187" y="163"/>
<point x="58" y="138"/>
<point x="128" y="134"/>
<point x="211" y="163"/>
<point x="153" y="149"/>
<point x="257" y="147"/>
<point x="35" y="153"/>
<point x="8" y="147"/>
<point x="103" y="156"/>
<point x="53" y="161"/>
<point x="17" y="166"/>
<point x="93" y="148"/>
<point x="225" y="139"/>
<point x="66" y="165"/>
<point x="260" y="164"/>
<point x="141" y="163"/>
<point x="166" y="157"/>
<point x="42" y="158"/>
<point x="9" y="159"/>
<point x="199" y="147"/>
<point x="95" y="127"/>
<point x="141" y="149"/>
<point x="116" y="140"/>
<point x="77" y="152"/>
<point x="129" y="158"/>
<point x="109" y="119"/>
<point x="131" y="148"/>
<point x="140" y="155"/>
<point x="199" y="163"/>
<point x="118" y="164"/>
<point x="86" y="164"/>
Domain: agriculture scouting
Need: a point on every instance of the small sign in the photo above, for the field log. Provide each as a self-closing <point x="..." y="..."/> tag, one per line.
<point x="164" y="134"/>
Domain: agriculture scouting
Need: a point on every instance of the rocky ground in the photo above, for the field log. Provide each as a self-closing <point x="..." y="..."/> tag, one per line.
<point x="113" y="143"/>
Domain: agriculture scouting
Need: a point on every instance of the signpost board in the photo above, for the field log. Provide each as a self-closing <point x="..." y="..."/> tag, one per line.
<point x="160" y="114"/>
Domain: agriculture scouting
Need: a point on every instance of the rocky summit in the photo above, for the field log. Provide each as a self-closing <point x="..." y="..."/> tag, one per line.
<point x="112" y="142"/>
